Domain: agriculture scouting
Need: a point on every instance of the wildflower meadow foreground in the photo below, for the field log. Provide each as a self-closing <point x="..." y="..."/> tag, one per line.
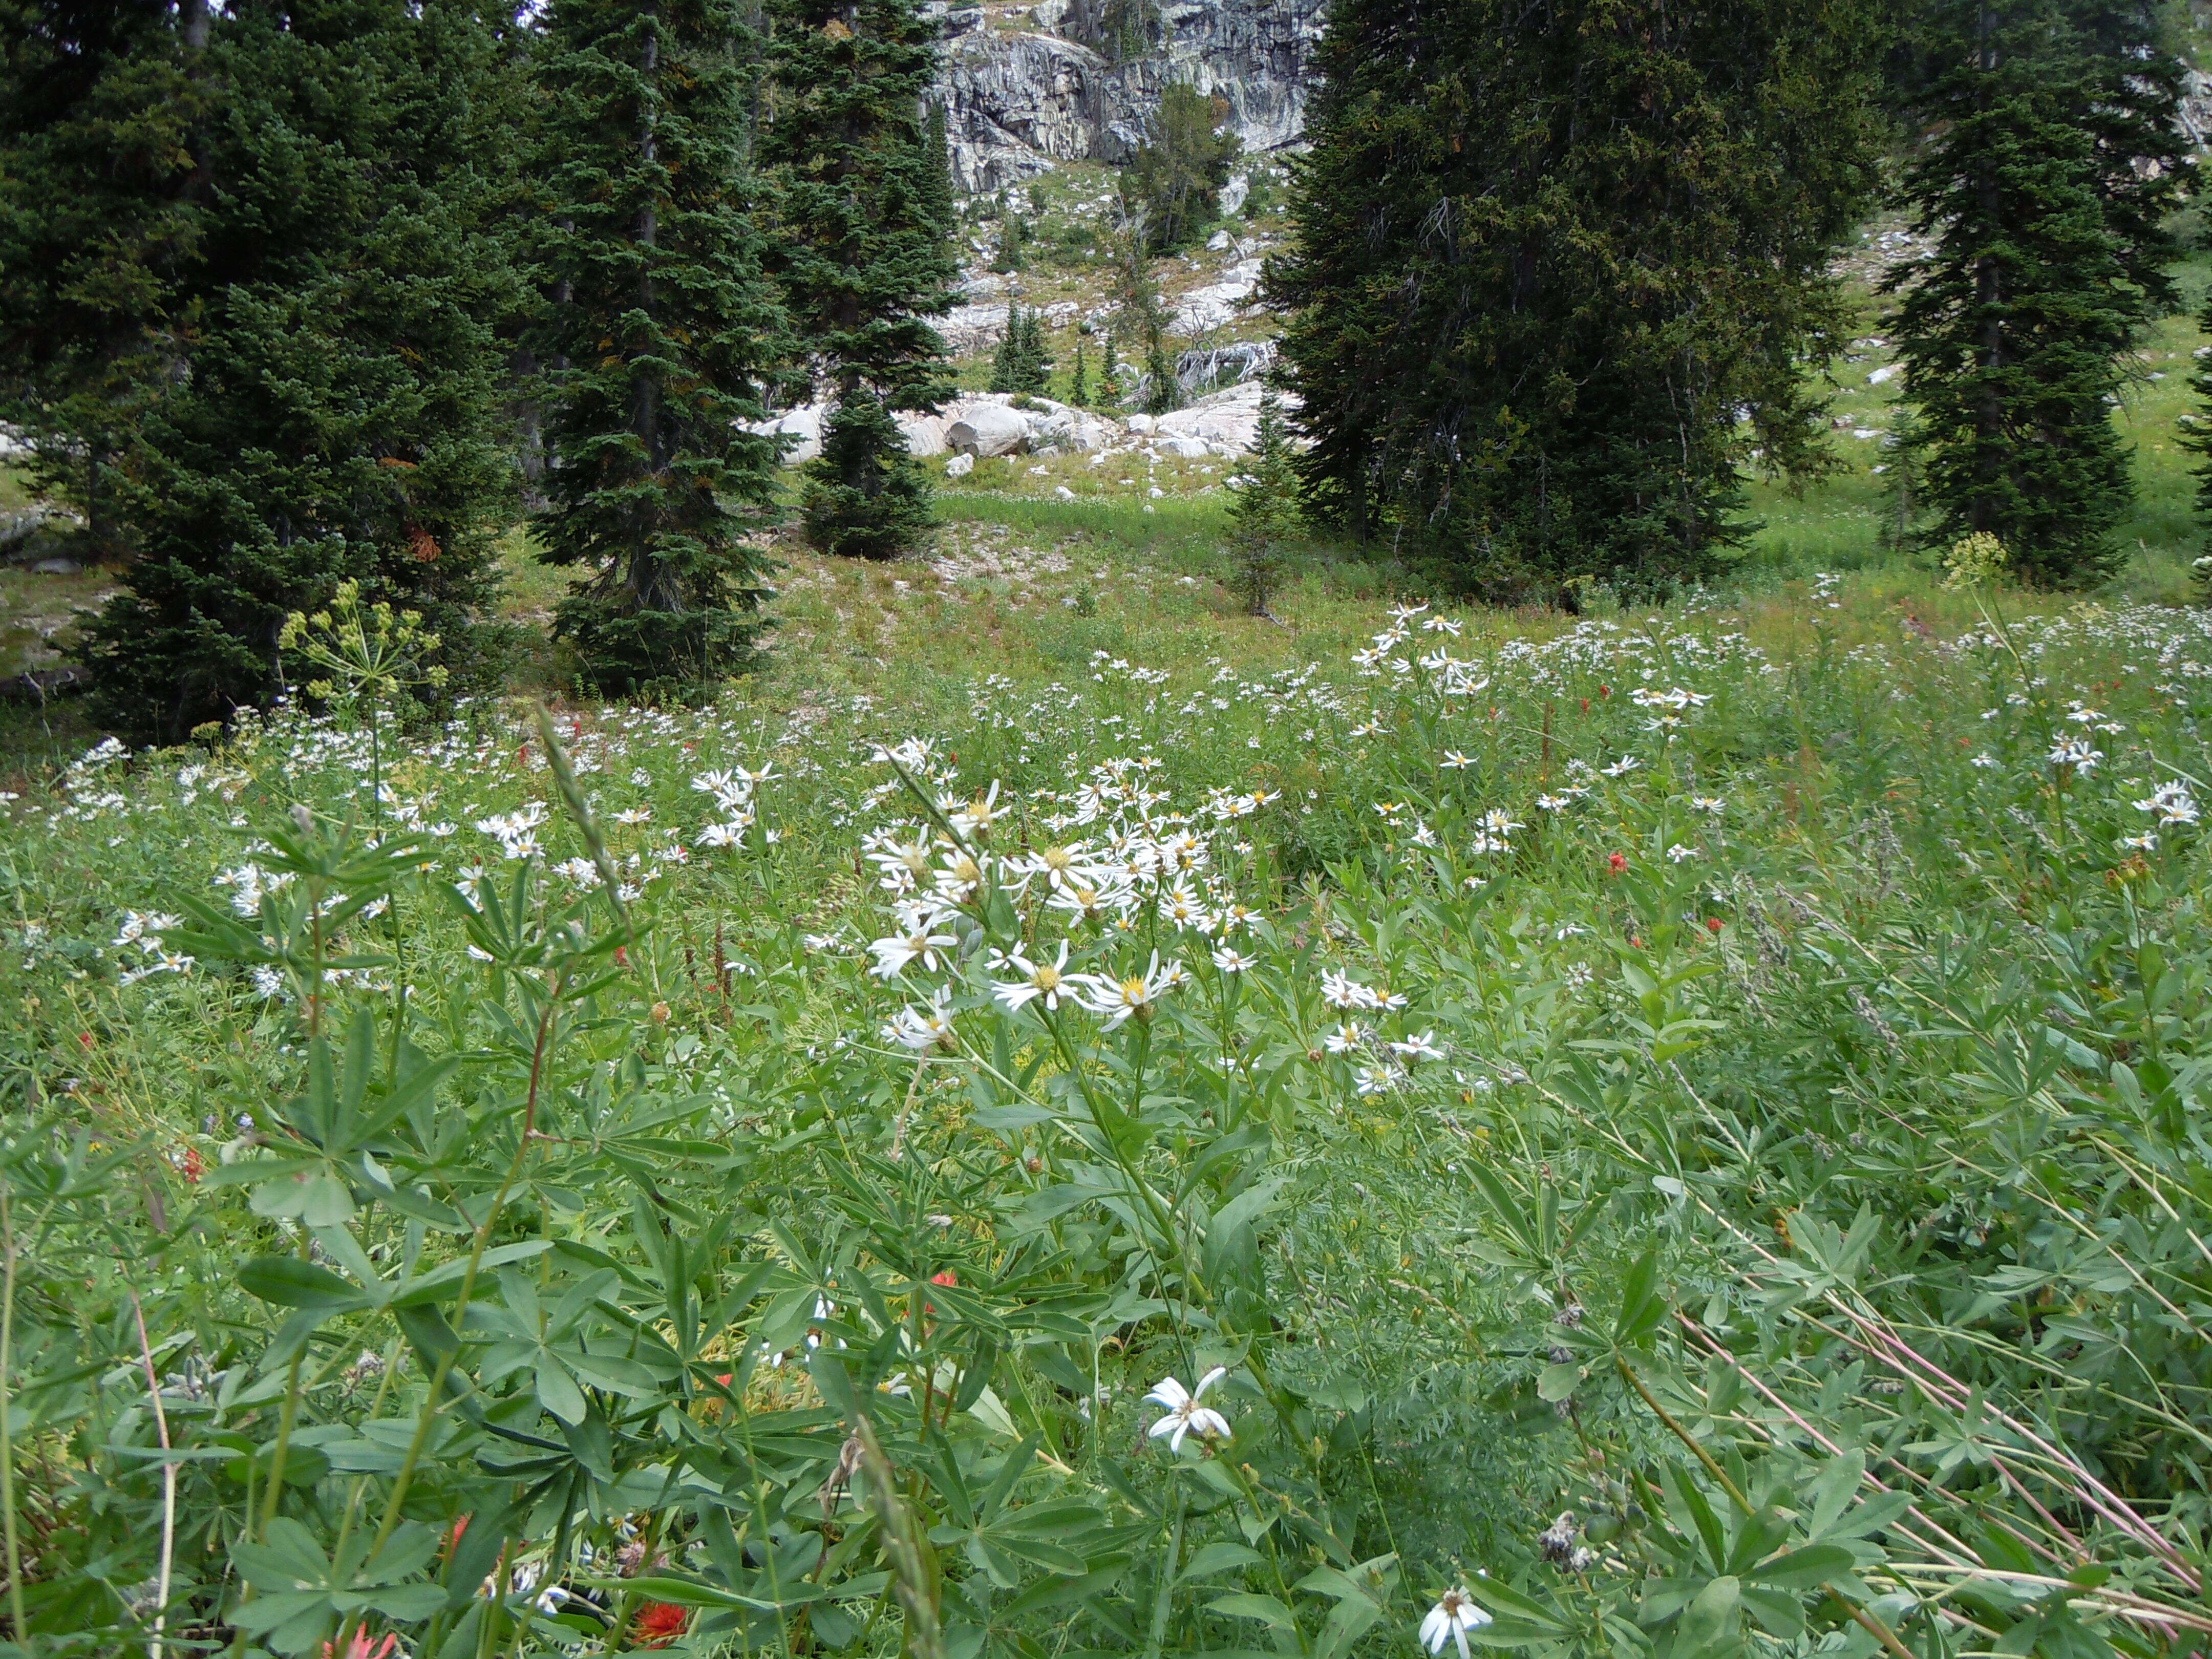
<point x="1646" y="1140"/>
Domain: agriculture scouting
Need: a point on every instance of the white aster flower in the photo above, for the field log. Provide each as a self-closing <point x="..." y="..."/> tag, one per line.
<point x="1185" y="1416"/>
<point x="918" y="1028"/>
<point x="2076" y="752"/>
<point x="917" y="943"/>
<point x="1422" y="1047"/>
<point x="1449" y="1620"/>
<point x="2172" y="803"/>
<point x="1340" y="990"/>
<point x="1116" y="1000"/>
<point x="1047" y="982"/>
<point x="976" y="817"/>
<point x="1345" y="1038"/>
<point x="1231" y="961"/>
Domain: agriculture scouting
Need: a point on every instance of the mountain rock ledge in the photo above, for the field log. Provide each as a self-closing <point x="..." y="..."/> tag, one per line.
<point x="1024" y="90"/>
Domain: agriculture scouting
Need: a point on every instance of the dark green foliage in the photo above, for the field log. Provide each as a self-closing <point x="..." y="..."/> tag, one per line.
<point x="1110" y="372"/>
<point x="1013" y="241"/>
<point x="1558" y="272"/>
<point x="1163" y="390"/>
<point x="1173" y="184"/>
<point x="2197" y="435"/>
<point x="1127" y="28"/>
<point x="1266" y="513"/>
<point x="100" y="232"/>
<point x="666" y="328"/>
<point x="267" y="333"/>
<point x="1020" y="364"/>
<point x="1139" y="296"/>
<point x="2052" y="162"/>
<point x="865" y="252"/>
<point x="867" y="497"/>
<point x="1079" y="391"/>
<point x="936" y="193"/>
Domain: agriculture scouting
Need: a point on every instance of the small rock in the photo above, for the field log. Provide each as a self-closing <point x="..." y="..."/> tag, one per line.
<point x="959" y="466"/>
<point x="1065" y="492"/>
<point x="57" y="566"/>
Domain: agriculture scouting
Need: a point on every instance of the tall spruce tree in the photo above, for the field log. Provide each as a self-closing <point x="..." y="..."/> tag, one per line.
<point x="663" y="331"/>
<point x="275" y="357"/>
<point x="1265" y="515"/>
<point x="101" y="108"/>
<point x="2052" y="161"/>
<point x="867" y="257"/>
<point x="1557" y="271"/>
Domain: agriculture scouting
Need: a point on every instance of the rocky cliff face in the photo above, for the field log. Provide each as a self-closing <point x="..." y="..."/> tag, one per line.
<point x="1071" y="80"/>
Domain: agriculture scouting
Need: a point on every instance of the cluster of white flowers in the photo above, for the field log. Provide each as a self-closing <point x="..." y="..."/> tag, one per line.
<point x="516" y="832"/>
<point x="1138" y="864"/>
<point x="142" y="931"/>
<point x="2172" y="802"/>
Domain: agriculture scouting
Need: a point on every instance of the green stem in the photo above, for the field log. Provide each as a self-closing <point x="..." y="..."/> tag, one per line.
<point x="346" y="1626"/>
<point x="21" y="1629"/>
<point x="429" y="1415"/>
<point x="1713" y="1464"/>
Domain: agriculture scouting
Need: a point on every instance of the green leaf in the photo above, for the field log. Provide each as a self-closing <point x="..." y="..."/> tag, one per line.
<point x="1710" y="1622"/>
<point x="558" y="1393"/>
<point x="1641" y="1305"/>
<point x="1559" y="1382"/>
<point x="291" y="1282"/>
<point x="1218" y="1558"/>
<point x="1244" y="1604"/>
<point x="1804" y="1569"/>
<point x="691" y="1593"/>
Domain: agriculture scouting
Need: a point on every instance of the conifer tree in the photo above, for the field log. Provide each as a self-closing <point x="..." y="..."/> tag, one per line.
<point x="312" y="396"/>
<point x="1078" y="390"/>
<point x="1139" y="295"/>
<point x="1110" y="372"/>
<point x="1265" y="516"/>
<point x="1558" y="269"/>
<point x="1162" y="387"/>
<point x="937" y="199"/>
<point x="1178" y="171"/>
<point x="865" y="210"/>
<point x="668" y="328"/>
<point x="1020" y="365"/>
<point x="100" y="105"/>
<point x="2052" y="161"/>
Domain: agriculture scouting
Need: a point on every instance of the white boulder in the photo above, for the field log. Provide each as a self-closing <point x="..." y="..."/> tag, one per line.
<point x="987" y="428"/>
<point x="803" y="425"/>
<point x="1215" y="305"/>
<point x="925" y="434"/>
<point x="976" y="326"/>
<point x="1225" y="422"/>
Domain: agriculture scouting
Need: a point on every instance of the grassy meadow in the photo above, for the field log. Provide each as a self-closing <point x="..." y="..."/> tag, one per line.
<point x="1059" y="1119"/>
